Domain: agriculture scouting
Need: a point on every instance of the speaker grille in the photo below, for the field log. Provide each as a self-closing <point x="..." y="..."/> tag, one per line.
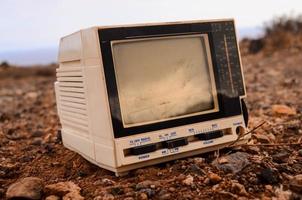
<point x="72" y="102"/>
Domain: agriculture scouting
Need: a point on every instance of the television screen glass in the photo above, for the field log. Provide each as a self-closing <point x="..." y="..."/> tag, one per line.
<point x="164" y="78"/>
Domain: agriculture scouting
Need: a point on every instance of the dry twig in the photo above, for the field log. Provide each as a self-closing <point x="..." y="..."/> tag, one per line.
<point x="242" y="135"/>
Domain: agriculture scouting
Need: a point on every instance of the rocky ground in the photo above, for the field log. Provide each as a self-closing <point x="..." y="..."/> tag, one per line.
<point x="34" y="164"/>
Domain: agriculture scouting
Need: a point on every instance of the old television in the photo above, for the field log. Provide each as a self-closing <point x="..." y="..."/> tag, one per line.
<point x="135" y="95"/>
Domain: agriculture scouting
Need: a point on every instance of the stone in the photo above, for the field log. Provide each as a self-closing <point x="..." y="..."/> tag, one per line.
<point x="73" y="196"/>
<point x="282" y="194"/>
<point x="52" y="197"/>
<point x="199" y="160"/>
<point x="37" y="134"/>
<point x="59" y="136"/>
<point x="146" y="184"/>
<point x="127" y="190"/>
<point x="235" y="162"/>
<point x="61" y="188"/>
<point x="268" y="176"/>
<point x="107" y="197"/>
<point x="2" y="193"/>
<point x="283" y="110"/>
<point x="187" y="196"/>
<point x="222" y="160"/>
<point x="172" y="189"/>
<point x="148" y="191"/>
<point x="49" y="138"/>
<point x="31" y="95"/>
<point x="196" y="170"/>
<point x="300" y="152"/>
<point x="36" y="141"/>
<point x="142" y="196"/>
<point x="27" y="188"/>
<point x="214" y="178"/>
<point x="116" y="190"/>
<point x="265" y="197"/>
<point x="97" y="182"/>
<point x="98" y="198"/>
<point x="180" y="177"/>
<point x="252" y="149"/>
<point x="49" y="148"/>
<point x="143" y="184"/>
<point x="2" y="173"/>
<point x="271" y="137"/>
<point x="281" y="157"/>
<point x="269" y="188"/>
<point x="296" y="184"/>
<point x="13" y="134"/>
<point x="107" y="181"/>
<point x="26" y="158"/>
<point x="166" y="196"/>
<point x="8" y="168"/>
<point x="130" y="194"/>
<point x="262" y="138"/>
<point x="239" y="189"/>
<point x="206" y="181"/>
<point x="188" y="180"/>
<point x="3" y="117"/>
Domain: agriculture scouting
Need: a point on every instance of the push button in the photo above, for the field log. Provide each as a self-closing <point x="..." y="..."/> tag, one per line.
<point x="209" y="135"/>
<point x="143" y="149"/>
<point x="175" y="143"/>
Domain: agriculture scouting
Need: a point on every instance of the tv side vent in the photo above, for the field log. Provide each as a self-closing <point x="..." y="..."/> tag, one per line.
<point x="72" y="99"/>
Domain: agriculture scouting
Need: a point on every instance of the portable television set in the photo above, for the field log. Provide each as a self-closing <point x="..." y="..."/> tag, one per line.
<point x="136" y="95"/>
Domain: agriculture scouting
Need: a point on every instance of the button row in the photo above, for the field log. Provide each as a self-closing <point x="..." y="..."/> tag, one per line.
<point x="209" y="135"/>
<point x="170" y="144"/>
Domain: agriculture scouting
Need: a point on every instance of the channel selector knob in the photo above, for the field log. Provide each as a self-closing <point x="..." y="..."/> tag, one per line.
<point x="175" y="143"/>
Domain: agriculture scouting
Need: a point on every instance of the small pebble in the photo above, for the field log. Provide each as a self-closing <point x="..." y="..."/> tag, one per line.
<point x="281" y="157"/>
<point x="300" y="152"/>
<point x="37" y="134"/>
<point x="214" y="178"/>
<point x="52" y="197"/>
<point x="199" y="160"/>
<point x="296" y="183"/>
<point x="108" y="197"/>
<point x="107" y="181"/>
<point x="239" y="189"/>
<point x="36" y="141"/>
<point x="172" y="189"/>
<point x="165" y="196"/>
<point x="26" y="188"/>
<point x="269" y="176"/>
<point x="142" y="196"/>
<point x="188" y="181"/>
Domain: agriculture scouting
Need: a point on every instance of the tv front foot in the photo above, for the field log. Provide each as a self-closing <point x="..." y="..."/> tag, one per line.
<point x="121" y="174"/>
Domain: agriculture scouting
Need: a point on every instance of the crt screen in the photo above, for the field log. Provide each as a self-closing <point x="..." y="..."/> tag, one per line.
<point x="163" y="78"/>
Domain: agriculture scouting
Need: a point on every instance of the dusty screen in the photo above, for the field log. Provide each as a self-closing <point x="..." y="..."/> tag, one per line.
<point x="163" y="78"/>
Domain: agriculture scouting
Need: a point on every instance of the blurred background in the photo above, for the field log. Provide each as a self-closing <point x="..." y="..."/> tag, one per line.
<point x="30" y="29"/>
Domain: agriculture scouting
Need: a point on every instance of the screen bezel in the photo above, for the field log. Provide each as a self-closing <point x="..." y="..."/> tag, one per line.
<point x="228" y="105"/>
<point x="209" y="67"/>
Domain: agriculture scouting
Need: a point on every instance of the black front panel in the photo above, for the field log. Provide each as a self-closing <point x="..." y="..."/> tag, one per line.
<point x="226" y="66"/>
<point x="228" y="62"/>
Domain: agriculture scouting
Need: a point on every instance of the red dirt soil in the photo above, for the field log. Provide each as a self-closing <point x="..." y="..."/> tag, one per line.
<point x="29" y="143"/>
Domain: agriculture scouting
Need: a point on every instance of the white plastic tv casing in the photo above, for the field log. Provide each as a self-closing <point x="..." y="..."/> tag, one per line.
<point x="84" y="113"/>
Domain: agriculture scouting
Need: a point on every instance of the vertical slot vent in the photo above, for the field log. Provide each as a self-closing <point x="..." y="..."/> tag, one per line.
<point x="72" y="99"/>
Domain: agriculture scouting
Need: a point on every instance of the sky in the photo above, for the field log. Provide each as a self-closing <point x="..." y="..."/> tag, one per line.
<point x="29" y="25"/>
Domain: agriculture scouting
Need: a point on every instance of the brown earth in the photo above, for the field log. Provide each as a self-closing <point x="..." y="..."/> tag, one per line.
<point x="29" y="143"/>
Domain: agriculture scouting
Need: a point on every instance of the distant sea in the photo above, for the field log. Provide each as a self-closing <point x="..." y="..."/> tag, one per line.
<point x="49" y="55"/>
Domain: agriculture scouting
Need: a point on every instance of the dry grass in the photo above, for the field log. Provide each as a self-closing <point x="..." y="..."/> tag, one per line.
<point x="281" y="33"/>
<point x="9" y="71"/>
